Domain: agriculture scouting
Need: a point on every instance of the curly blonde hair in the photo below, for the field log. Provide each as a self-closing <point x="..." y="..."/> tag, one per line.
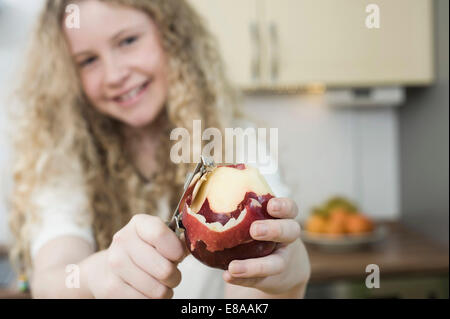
<point x="58" y="125"/>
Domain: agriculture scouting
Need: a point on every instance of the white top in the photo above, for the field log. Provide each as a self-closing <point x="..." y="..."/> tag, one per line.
<point x="63" y="210"/>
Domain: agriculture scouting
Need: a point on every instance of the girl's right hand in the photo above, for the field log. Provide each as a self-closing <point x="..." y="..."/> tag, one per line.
<point x="141" y="261"/>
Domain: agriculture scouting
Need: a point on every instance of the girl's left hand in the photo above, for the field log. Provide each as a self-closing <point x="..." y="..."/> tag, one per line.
<point x="287" y="268"/>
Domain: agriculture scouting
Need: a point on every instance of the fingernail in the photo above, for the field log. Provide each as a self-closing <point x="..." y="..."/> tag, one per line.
<point x="261" y="230"/>
<point x="237" y="268"/>
<point x="276" y="205"/>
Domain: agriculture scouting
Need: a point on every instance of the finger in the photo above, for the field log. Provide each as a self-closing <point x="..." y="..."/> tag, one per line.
<point x="153" y="231"/>
<point x="135" y="277"/>
<point x="185" y="247"/>
<point x="118" y="289"/>
<point x="282" y="208"/>
<point x="277" y="230"/>
<point x="262" y="267"/>
<point x="149" y="260"/>
<point x="246" y="282"/>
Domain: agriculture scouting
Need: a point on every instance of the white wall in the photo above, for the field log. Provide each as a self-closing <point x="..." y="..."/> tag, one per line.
<point x="16" y="17"/>
<point x="327" y="151"/>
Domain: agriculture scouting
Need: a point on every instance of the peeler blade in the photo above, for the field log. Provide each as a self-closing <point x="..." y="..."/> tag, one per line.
<point x="205" y="165"/>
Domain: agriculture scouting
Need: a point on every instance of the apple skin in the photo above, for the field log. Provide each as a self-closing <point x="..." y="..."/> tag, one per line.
<point x="221" y="259"/>
<point x="217" y="247"/>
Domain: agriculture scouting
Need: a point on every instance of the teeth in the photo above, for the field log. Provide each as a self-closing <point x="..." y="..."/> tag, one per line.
<point x="130" y="95"/>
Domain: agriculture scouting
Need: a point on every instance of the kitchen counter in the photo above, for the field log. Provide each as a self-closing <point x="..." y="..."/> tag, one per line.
<point x="7" y="274"/>
<point x="13" y="294"/>
<point x="402" y="252"/>
<point x="403" y="256"/>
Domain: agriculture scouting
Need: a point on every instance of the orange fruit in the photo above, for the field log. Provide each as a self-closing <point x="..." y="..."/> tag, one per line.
<point x="359" y="223"/>
<point x="335" y="227"/>
<point x="339" y="215"/>
<point x="316" y="224"/>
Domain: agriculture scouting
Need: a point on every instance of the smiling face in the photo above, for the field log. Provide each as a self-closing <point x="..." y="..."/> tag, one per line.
<point x="121" y="62"/>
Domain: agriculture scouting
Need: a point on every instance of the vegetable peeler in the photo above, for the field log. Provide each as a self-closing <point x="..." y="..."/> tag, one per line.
<point x="205" y="165"/>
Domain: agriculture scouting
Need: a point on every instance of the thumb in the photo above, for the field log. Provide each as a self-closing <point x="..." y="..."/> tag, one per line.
<point x="183" y="243"/>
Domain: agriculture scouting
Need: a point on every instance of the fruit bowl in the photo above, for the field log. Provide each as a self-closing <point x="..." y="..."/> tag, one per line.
<point x="339" y="224"/>
<point x="345" y="242"/>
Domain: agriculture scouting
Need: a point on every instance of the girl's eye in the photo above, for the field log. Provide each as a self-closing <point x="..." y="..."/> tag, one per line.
<point x="128" y="41"/>
<point x="88" y="61"/>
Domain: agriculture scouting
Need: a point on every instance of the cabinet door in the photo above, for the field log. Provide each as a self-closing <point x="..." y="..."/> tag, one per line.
<point x="327" y="41"/>
<point x="235" y="24"/>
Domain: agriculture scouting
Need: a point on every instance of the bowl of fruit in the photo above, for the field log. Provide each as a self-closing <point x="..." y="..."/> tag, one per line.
<point x="338" y="224"/>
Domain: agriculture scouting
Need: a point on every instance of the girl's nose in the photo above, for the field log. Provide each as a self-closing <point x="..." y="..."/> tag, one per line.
<point x="115" y="72"/>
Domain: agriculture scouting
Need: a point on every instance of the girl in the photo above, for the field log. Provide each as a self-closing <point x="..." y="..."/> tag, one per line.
<point x="93" y="151"/>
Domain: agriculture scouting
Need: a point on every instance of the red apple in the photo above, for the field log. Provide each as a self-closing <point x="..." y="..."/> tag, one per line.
<point x="217" y="212"/>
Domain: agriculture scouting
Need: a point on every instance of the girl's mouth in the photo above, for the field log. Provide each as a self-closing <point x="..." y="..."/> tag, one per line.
<point x="133" y="96"/>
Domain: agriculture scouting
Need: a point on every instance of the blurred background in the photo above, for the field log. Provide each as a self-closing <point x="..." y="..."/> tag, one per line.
<point x="362" y="110"/>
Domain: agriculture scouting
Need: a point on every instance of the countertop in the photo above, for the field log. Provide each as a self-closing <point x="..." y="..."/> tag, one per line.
<point x="402" y="253"/>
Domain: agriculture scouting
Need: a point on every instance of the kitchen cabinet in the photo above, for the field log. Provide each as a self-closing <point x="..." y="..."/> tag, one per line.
<point x="235" y="24"/>
<point x="286" y="44"/>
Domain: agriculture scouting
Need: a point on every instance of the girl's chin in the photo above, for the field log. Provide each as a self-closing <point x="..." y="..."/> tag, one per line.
<point x="138" y="121"/>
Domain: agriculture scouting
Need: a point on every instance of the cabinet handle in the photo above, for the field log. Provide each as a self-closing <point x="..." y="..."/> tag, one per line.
<point x="256" y="52"/>
<point x="275" y="52"/>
